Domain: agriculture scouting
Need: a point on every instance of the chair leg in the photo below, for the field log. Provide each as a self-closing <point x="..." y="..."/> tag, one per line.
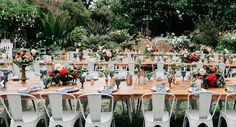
<point x="177" y="108"/>
<point x="220" y="122"/>
<point x="6" y="122"/>
<point x="185" y="121"/>
<point x="113" y="122"/>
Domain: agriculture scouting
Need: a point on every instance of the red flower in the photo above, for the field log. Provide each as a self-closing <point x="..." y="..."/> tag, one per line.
<point x="50" y="72"/>
<point x="215" y="69"/>
<point x="193" y="57"/>
<point x="56" y="71"/>
<point x="63" y="72"/>
<point x="211" y="78"/>
<point x="200" y="77"/>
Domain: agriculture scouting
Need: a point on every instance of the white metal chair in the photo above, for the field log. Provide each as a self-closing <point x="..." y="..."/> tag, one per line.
<point x="90" y="66"/>
<point x="202" y="114"/>
<point x="160" y="66"/>
<point x="158" y="115"/>
<point x="222" y="68"/>
<point x="95" y="117"/>
<point x="58" y="115"/>
<point x="18" y="116"/>
<point x="131" y="67"/>
<point x="3" y="115"/>
<point x="228" y="115"/>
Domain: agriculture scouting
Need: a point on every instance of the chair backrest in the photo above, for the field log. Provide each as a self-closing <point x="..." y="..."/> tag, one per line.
<point x="204" y="103"/>
<point x="111" y="65"/>
<point x="36" y="66"/>
<point x="56" y="104"/>
<point x="222" y="67"/>
<point x="95" y="105"/>
<point x="159" y="74"/>
<point x="230" y="96"/>
<point x="216" y="56"/>
<point x="199" y="65"/>
<point x="160" y="66"/>
<point x="90" y="66"/>
<point x="14" y="102"/>
<point x="131" y="67"/>
<point x="158" y="104"/>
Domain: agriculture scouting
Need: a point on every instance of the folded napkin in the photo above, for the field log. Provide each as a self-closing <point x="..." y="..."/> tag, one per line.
<point x="69" y="89"/>
<point x="231" y="89"/>
<point x="29" y="90"/>
<point x="107" y="89"/>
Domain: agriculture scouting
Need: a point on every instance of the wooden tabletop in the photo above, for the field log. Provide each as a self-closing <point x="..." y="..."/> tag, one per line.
<point x="180" y="89"/>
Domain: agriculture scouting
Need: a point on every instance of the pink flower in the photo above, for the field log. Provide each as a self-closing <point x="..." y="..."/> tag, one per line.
<point x="22" y="49"/>
<point x="108" y="54"/>
<point x="27" y="55"/>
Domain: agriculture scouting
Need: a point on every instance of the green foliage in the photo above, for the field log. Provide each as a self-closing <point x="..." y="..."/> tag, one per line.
<point x="16" y="16"/>
<point x="78" y="33"/>
<point x="119" y="36"/>
<point x="227" y="41"/>
<point x="77" y="11"/>
<point x="208" y="33"/>
<point x="55" y="27"/>
<point x="92" y="41"/>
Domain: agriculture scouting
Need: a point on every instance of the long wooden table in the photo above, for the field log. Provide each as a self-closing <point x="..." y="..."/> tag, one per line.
<point x="179" y="89"/>
<point x="151" y="63"/>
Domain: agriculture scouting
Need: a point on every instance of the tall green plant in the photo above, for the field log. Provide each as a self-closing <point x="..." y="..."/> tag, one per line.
<point x="55" y="27"/>
<point x="92" y="41"/>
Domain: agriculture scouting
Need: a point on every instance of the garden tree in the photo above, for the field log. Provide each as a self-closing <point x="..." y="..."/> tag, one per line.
<point x="207" y="33"/>
<point x="55" y="28"/>
<point x="178" y="15"/>
<point x="92" y="41"/>
<point x="77" y="35"/>
<point x="77" y="11"/>
<point x="16" y="18"/>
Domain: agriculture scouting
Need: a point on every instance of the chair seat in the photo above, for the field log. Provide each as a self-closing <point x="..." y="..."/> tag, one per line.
<point x="67" y="116"/>
<point x="148" y="116"/>
<point x="105" y="117"/>
<point x="229" y="114"/>
<point x="194" y="115"/>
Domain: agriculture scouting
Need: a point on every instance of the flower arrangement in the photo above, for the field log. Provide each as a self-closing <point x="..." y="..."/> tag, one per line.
<point x="60" y="75"/>
<point x="211" y="76"/>
<point x="206" y="50"/>
<point x="107" y="54"/>
<point x="23" y="57"/>
<point x="149" y="50"/>
<point x="190" y="57"/>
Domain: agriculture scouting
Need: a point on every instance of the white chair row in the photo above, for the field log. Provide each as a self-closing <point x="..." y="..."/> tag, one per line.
<point x="57" y="111"/>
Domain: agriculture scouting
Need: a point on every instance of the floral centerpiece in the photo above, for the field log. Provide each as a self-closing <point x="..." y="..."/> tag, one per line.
<point x="190" y="57"/>
<point x="149" y="50"/>
<point x="23" y="58"/>
<point x="60" y="75"/>
<point x="210" y="76"/>
<point x="206" y="50"/>
<point x="107" y="54"/>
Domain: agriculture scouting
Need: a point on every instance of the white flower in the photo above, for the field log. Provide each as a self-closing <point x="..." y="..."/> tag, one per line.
<point x="149" y="49"/>
<point x="202" y="71"/>
<point x="33" y="51"/>
<point x="57" y="67"/>
<point x="79" y="44"/>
